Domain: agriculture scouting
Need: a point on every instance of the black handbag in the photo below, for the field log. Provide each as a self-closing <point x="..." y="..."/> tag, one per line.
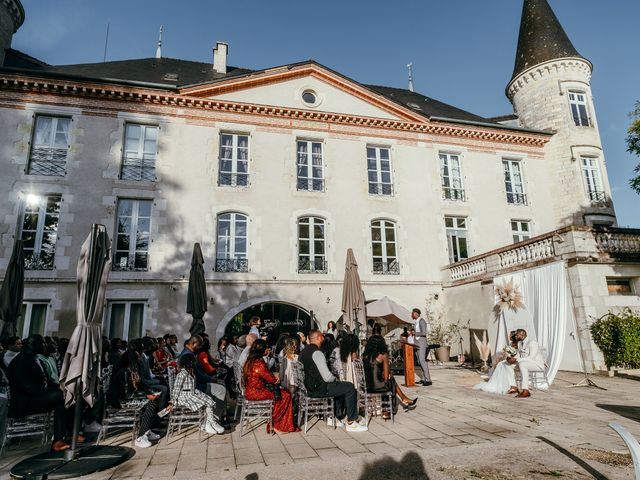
<point x="275" y="389"/>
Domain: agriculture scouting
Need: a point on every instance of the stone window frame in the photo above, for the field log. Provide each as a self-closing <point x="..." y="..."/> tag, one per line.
<point x="519" y="234"/>
<point x="132" y="251"/>
<point x="311" y="181"/>
<point x="26" y="314"/>
<point x="233" y="178"/>
<point x="451" y="192"/>
<point x="514" y="197"/>
<point x="455" y="230"/>
<point x="128" y="303"/>
<point x="53" y="161"/>
<point x="575" y="102"/>
<point x="230" y="260"/>
<point x="38" y="204"/>
<point x="379" y="187"/>
<point x="133" y="160"/>
<point x="384" y="264"/>
<point x="315" y="262"/>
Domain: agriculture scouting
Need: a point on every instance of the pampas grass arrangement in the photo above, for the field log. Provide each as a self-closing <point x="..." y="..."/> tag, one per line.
<point x="509" y="297"/>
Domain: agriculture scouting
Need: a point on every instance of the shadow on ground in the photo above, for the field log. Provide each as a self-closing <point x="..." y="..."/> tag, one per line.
<point x="410" y="467"/>
<point x="627" y="411"/>
<point x="592" y="471"/>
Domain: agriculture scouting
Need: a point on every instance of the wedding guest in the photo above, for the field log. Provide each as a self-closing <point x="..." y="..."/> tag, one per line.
<point x="280" y="344"/>
<point x="320" y="383"/>
<point x="422" y="332"/>
<point x="232" y="352"/>
<point x="303" y="340"/>
<point x="170" y="341"/>
<point x="114" y="354"/>
<point x="219" y="354"/>
<point x="185" y="394"/>
<point x="379" y="378"/>
<point x="331" y="328"/>
<point x="126" y="386"/>
<point x="254" y="326"/>
<point x="12" y="347"/>
<point x="48" y="363"/>
<point x="260" y="384"/>
<point x="160" y="355"/>
<point x="249" y="340"/>
<point x="328" y="346"/>
<point x="145" y="348"/>
<point x="342" y="366"/>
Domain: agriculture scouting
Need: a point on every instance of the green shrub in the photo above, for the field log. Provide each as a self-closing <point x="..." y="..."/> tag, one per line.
<point x="618" y="336"/>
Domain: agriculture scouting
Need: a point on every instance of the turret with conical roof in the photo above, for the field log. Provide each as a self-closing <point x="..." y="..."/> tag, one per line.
<point x="550" y="90"/>
<point x="11" y="17"/>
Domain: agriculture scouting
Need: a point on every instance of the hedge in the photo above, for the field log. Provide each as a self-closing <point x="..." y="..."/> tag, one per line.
<point x="618" y="336"/>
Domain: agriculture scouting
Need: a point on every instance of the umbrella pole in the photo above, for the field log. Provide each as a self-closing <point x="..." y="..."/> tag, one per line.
<point x="71" y="453"/>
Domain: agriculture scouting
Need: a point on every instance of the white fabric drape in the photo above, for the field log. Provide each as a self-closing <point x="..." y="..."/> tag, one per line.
<point x="544" y="292"/>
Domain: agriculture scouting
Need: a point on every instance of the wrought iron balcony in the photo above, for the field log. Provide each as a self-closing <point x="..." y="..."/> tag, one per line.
<point x="517" y="198"/>
<point x="135" y="168"/>
<point x="312" y="266"/>
<point x="310" y="185"/>
<point x="38" y="261"/>
<point x="599" y="199"/>
<point x="386" y="268"/>
<point x="449" y="193"/>
<point x="380" y="188"/>
<point x="48" y="161"/>
<point x="132" y="263"/>
<point x="233" y="179"/>
<point x="232" y="265"/>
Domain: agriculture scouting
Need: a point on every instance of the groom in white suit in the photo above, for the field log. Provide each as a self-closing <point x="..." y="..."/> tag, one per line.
<point x="529" y="359"/>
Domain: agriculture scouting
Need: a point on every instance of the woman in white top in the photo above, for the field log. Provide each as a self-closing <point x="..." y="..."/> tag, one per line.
<point x="331" y="328"/>
<point x="254" y="325"/>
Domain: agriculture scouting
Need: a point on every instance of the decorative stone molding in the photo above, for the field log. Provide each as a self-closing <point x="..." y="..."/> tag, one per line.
<point x="576" y="65"/>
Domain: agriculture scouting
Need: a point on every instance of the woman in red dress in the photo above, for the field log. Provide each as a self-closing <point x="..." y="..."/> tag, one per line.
<point x="256" y="376"/>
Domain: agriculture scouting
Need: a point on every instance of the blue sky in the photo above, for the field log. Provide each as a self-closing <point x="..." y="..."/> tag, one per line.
<point x="462" y="50"/>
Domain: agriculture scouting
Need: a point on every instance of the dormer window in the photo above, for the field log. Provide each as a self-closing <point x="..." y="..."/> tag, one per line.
<point x="578" y="104"/>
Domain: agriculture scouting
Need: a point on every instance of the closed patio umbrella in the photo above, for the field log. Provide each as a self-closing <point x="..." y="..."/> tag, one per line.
<point x="197" y="292"/>
<point x="352" y="295"/>
<point x="389" y="311"/>
<point x="12" y="292"/>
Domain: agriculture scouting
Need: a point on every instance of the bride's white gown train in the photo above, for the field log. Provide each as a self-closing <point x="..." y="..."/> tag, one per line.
<point x="501" y="380"/>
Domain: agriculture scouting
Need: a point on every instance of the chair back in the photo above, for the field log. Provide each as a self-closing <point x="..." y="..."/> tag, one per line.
<point x="298" y="374"/>
<point x="358" y="366"/>
<point x="171" y="379"/>
<point x="239" y="374"/>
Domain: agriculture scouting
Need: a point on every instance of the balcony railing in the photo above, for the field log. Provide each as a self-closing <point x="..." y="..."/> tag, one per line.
<point x="135" y="168"/>
<point x="132" y="263"/>
<point x="312" y="266"/>
<point x="233" y="179"/>
<point x="618" y="241"/>
<point x="531" y="252"/>
<point x="380" y="188"/>
<point x="48" y="161"/>
<point x="599" y="199"/>
<point x="38" y="261"/>
<point x="310" y="185"/>
<point x="517" y="198"/>
<point x="449" y="193"/>
<point x="469" y="270"/>
<point x="232" y="265"/>
<point x="386" y="268"/>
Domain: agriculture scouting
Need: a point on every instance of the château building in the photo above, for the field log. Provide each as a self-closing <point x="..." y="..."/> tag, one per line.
<point x="277" y="172"/>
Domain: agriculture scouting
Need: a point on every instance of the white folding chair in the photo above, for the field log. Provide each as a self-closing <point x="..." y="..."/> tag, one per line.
<point x="250" y="410"/>
<point x="322" y="407"/>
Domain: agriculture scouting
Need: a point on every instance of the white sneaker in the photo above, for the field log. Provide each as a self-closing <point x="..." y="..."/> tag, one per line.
<point x="142" y="442"/>
<point x="93" y="427"/>
<point x="355" y="427"/>
<point x="362" y="421"/>
<point x="334" y="422"/>
<point x="152" y="436"/>
<point x="213" y="428"/>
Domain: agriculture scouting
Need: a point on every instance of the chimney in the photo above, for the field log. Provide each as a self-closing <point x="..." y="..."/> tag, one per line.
<point x="220" y="57"/>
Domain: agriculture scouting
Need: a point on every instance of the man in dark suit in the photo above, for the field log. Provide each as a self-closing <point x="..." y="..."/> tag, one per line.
<point x="147" y="377"/>
<point x="31" y="393"/>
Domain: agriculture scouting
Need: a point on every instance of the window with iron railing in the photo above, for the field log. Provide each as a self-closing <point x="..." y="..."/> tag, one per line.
<point x="310" y="171"/>
<point x="133" y="227"/>
<point x="234" y="160"/>
<point x="39" y="231"/>
<point x="593" y="181"/>
<point x="139" y="153"/>
<point x="384" y="247"/>
<point x="451" y="177"/>
<point x="513" y="182"/>
<point x="379" y="171"/>
<point x="311" y="245"/>
<point x="232" y="243"/>
<point x="50" y="146"/>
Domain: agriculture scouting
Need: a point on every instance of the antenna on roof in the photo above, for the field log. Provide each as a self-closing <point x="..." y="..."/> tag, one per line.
<point x="106" y="42"/>
<point x="410" y="67"/>
<point x="159" y="49"/>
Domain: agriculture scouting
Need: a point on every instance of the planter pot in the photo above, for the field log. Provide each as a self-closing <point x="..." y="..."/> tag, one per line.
<point x="442" y="354"/>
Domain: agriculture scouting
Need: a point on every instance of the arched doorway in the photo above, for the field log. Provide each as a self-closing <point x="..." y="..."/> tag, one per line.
<point x="278" y="317"/>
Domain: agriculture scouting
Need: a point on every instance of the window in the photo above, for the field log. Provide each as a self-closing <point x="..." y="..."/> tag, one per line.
<point x="126" y="320"/>
<point x="33" y="319"/>
<point x="452" y="188"/>
<point x="140" y="149"/>
<point x="619" y="286"/>
<point x="383" y="245"/>
<point x="310" y="171"/>
<point x="513" y="182"/>
<point x="521" y="230"/>
<point x="379" y="170"/>
<point x="234" y="160"/>
<point x="309" y="97"/>
<point x="592" y="181"/>
<point x="39" y="231"/>
<point x="456" y="228"/>
<point x="132" y="235"/>
<point x="231" y="246"/>
<point x="50" y="146"/>
<point x="578" y="103"/>
<point x="311" y="245"/>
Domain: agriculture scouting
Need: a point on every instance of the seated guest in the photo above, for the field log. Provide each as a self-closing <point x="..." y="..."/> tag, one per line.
<point x="342" y="366"/>
<point x="289" y="375"/>
<point x="280" y="344"/>
<point x="203" y="382"/>
<point x="12" y="347"/>
<point x="328" y="346"/>
<point x="31" y="393"/>
<point x="170" y="341"/>
<point x="260" y="385"/>
<point x="185" y="394"/>
<point x="145" y="349"/>
<point x="160" y="355"/>
<point x="48" y="363"/>
<point x="125" y="386"/>
<point x="113" y="356"/>
<point x="212" y="367"/>
<point x="379" y="378"/>
<point x="249" y="339"/>
<point x="320" y="382"/>
<point x="219" y="354"/>
<point x="303" y="340"/>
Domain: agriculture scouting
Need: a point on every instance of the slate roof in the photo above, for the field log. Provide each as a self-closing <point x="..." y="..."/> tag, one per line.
<point x="541" y="38"/>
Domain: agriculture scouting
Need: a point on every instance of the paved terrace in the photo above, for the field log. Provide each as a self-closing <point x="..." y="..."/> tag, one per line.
<point x="455" y="433"/>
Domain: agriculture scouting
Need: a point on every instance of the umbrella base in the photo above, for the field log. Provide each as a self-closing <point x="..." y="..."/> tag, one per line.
<point x="52" y="465"/>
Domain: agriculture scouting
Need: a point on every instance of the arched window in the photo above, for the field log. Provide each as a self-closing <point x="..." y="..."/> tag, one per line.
<point x="232" y="242"/>
<point x="384" y="247"/>
<point x="311" y="245"/>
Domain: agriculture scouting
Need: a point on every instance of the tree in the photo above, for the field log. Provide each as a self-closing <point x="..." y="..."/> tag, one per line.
<point x="633" y="145"/>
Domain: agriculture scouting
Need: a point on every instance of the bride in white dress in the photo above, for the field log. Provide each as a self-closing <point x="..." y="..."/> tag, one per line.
<point x="502" y="378"/>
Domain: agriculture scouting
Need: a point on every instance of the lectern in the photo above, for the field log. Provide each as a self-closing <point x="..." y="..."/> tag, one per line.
<point x="409" y="370"/>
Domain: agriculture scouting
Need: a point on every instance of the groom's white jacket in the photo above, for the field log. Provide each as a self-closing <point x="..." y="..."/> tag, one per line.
<point x="530" y="350"/>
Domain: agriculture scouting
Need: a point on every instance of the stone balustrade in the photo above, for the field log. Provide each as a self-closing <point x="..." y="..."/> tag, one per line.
<point x="469" y="269"/>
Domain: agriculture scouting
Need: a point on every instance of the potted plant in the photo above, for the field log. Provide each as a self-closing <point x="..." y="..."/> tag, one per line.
<point x="442" y="333"/>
